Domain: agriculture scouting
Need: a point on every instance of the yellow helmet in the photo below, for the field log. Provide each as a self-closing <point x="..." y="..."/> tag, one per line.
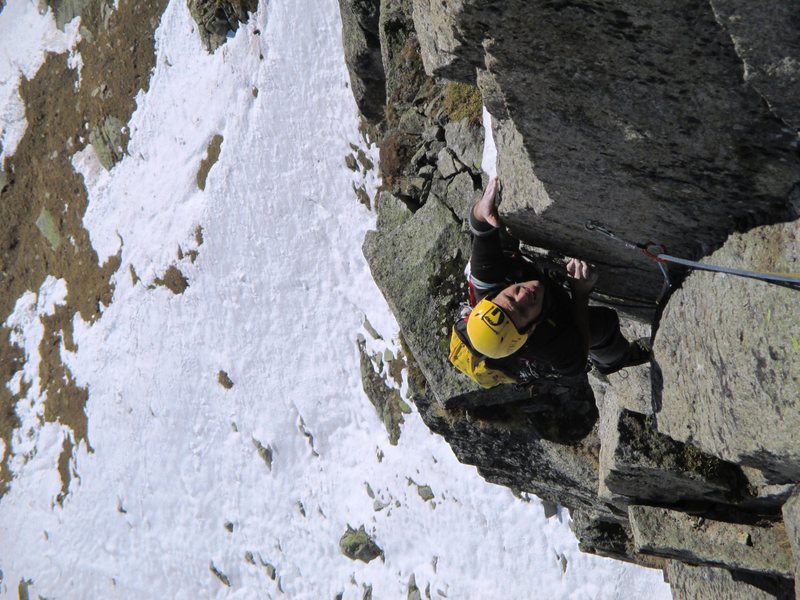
<point x="492" y="332"/>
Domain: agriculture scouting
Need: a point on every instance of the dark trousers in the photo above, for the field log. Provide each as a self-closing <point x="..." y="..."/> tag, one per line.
<point x="607" y="345"/>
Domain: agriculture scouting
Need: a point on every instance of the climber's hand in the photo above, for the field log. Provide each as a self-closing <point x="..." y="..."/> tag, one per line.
<point x="486" y="208"/>
<point x="581" y="276"/>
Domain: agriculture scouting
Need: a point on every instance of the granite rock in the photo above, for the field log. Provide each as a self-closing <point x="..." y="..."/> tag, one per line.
<point x="730" y="361"/>
<point x="640" y="116"/>
<point x="760" y="547"/>
<point x="690" y="582"/>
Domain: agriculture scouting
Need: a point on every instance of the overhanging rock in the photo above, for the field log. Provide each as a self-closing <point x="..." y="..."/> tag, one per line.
<point x="639" y="115"/>
<point x="638" y="462"/>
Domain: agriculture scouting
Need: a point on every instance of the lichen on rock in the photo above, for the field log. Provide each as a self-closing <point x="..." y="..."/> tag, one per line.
<point x="358" y="545"/>
<point x="109" y="141"/>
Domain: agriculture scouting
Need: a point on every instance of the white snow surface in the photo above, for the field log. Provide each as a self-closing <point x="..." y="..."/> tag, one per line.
<point x="173" y="483"/>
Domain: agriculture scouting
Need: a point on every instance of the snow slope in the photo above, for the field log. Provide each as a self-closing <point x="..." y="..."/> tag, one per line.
<point x="176" y="487"/>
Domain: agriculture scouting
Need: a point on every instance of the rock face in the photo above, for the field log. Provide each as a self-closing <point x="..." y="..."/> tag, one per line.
<point x="636" y="461"/>
<point x="674" y="123"/>
<point x="634" y="115"/>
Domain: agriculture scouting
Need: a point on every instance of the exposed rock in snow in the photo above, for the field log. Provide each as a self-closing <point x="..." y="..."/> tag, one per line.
<point x="217" y="18"/>
<point x="358" y="545"/>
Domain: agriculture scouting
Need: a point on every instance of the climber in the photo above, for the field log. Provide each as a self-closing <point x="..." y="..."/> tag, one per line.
<point x="524" y="320"/>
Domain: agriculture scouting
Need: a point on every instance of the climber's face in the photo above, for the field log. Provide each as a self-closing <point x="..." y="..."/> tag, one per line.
<point x="522" y="302"/>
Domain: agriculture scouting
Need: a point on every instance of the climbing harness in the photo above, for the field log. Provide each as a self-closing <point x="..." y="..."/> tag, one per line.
<point x="658" y="253"/>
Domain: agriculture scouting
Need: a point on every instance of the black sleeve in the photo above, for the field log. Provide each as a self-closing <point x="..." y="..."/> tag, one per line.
<point x="489" y="265"/>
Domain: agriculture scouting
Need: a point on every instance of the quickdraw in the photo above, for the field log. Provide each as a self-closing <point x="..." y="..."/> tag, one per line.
<point x="658" y="253"/>
<point x="650" y="249"/>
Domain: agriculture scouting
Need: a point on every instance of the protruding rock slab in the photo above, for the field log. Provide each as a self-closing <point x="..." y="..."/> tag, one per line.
<point x="636" y="461"/>
<point x="701" y="583"/>
<point x="729" y="353"/>
<point x="602" y="536"/>
<point x="672" y="534"/>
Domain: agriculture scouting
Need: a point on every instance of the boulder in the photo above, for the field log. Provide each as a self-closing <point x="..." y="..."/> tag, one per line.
<point x="358" y="545"/>
<point x="461" y="194"/>
<point x="446" y="163"/>
<point x="362" y="54"/>
<point x="730" y="374"/>
<point x="466" y="142"/>
<point x="761" y="548"/>
<point x="109" y="141"/>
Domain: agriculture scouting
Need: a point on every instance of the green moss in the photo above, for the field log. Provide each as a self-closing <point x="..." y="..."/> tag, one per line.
<point x="463" y="101"/>
<point x="357" y="545"/>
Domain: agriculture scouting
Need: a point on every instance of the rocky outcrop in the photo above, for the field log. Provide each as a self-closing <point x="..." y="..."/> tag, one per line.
<point x="66" y="10"/>
<point x="217" y="18"/>
<point x="358" y="545"/>
<point x="362" y="53"/>
<point x="109" y="141"/>
<point x="637" y="461"/>
<point x="671" y="124"/>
